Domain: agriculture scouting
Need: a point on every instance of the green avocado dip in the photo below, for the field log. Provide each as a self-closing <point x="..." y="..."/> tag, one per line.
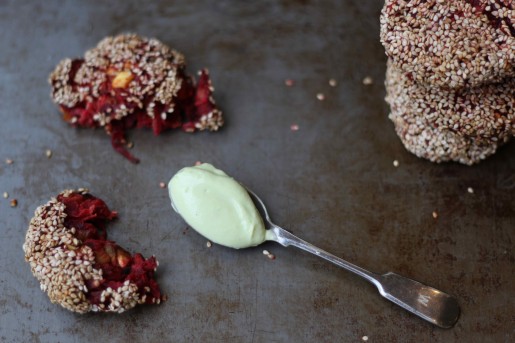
<point x="216" y="206"/>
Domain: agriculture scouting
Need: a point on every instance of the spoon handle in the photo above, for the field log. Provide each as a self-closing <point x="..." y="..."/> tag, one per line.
<point x="286" y="238"/>
<point x="426" y="302"/>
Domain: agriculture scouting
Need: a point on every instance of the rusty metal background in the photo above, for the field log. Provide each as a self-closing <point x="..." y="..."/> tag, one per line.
<point x="332" y="182"/>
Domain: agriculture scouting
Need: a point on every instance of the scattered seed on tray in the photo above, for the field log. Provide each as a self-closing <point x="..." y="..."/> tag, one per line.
<point x="162" y="184"/>
<point x="209" y="244"/>
<point x="368" y="81"/>
<point x="321" y="96"/>
<point x="435" y="215"/>
<point x="289" y="82"/>
<point x="130" y="145"/>
<point x="6" y="195"/>
<point x="14" y="203"/>
<point x="9" y="161"/>
<point x="365" y="338"/>
<point x="48" y="153"/>
<point x="470" y="190"/>
<point x="395" y="163"/>
<point x="333" y="83"/>
<point x="268" y="254"/>
<point x="198" y="163"/>
<point x="294" y="127"/>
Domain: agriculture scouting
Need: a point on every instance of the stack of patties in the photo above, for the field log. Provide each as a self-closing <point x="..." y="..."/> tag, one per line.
<point x="450" y="76"/>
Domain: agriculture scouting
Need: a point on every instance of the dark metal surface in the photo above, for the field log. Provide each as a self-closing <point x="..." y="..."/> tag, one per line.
<point x="332" y="182"/>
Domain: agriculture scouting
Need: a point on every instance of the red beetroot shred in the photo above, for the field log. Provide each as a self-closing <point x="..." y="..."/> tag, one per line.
<point x="129" y="81"/>
<point x="89" y="215"/>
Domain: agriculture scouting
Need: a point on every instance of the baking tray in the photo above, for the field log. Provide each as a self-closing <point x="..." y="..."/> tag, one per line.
<point x="332" y="182"/>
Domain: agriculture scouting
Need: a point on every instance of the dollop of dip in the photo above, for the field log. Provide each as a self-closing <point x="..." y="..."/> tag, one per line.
<point x="216" y="206"/>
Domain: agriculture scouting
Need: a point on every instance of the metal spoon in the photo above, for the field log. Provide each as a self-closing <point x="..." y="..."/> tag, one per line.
<point x="428" y="303"/>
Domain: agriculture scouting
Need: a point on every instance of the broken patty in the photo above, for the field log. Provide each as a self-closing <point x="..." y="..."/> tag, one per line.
<point x="451" y="44"/>
<point x="130" y="81"/>
<point x="67" y="248"/>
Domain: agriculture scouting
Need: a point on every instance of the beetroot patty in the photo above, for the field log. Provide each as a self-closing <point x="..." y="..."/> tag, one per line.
<point x="483" y="114"/>
<point x="451" y="44"/>
<point x="412" y="110"/>
<point x="77" y="266"/>
<point x="130" y="81"/>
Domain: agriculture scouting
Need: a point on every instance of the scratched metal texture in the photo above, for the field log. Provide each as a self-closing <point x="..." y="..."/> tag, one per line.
<point x="332" y="182"/>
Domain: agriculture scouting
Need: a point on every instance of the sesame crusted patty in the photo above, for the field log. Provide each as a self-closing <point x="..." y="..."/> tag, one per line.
<point x="422" y="137"/>
<point x="77" y="266"/>
<point x="451" y="44"/>
<point x="130" y="81"/>
<point x="483" y="114"/>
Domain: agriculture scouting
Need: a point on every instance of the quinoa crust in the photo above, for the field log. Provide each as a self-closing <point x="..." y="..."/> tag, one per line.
<point x="423" y="137"/>
<point x="67" y="268"/>
<point x="450" y="44"/>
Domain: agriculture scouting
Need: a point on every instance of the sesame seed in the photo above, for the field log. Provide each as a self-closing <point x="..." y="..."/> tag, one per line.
<point x="368" y="81"/>
<point x="294" y="127"/>
<point x="198" y="163"/>
<point x="435" y="215"/>
<point x="268" y="254"/>
<point x="6" y="195"/>
<point x="289" y="82"/>
<point x="321" y="96"/>
<point x="162" y="184"/>
<point x="48" y="153"/>
<point x="364" y="338"/>
<point x="470" y="190"/>
<point x="130" y="145"/>
<point x="9" y="161"/>
<point x="208" y="244"/>
<point x="333" y="83"/>
<point x="395" y="163"/>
